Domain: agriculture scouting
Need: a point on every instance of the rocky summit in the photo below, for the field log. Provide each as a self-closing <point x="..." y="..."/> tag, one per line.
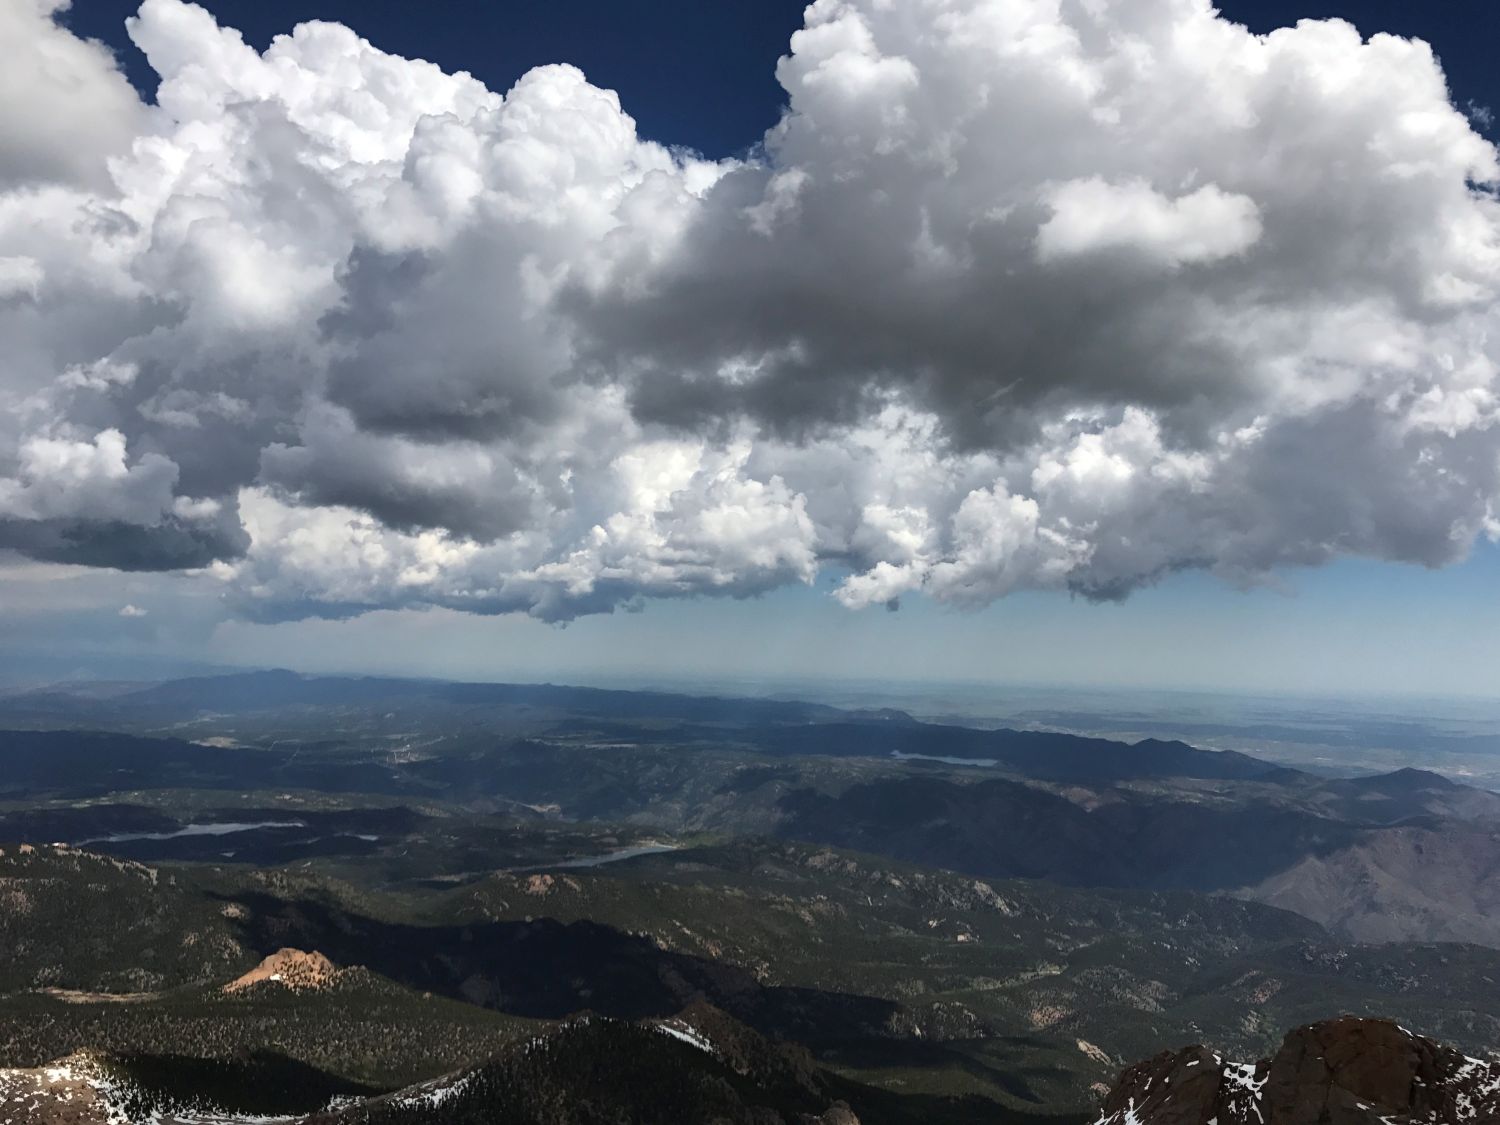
<point x="1339" y="1072"/>
<point x="290" y="968"/>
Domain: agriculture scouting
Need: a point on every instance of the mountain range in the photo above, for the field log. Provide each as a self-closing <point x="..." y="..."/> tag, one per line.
<point x="935" y="922"/>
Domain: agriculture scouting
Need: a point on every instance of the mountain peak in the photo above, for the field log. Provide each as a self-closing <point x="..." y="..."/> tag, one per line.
<point x="1411" y="777"/>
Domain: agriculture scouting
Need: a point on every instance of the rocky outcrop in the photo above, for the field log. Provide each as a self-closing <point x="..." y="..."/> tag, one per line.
<point x="290" y="968"/>
<point x="1340" y="1072"/>
<point x="838" y="1114"/>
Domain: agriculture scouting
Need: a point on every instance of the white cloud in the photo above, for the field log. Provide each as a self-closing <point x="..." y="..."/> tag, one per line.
<point x="59" y="477"/>
<point x="1019" y="295"/>
<point x="19" y="276"/>
<point x="132" y="611"/>
<point x="1090" y="216"/>
<point x="65" y="108"/>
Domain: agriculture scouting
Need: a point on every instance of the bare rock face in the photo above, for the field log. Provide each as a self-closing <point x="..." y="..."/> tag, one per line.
<point x="1189" y="1087"/>
<point x="290" y="968"/>
<point x="838" y="1113"/>
<point x="1340" y="1072"/>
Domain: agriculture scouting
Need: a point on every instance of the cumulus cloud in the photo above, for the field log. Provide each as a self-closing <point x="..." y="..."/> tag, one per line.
<point x="1017" y="295"/>
<point x="1093" y="216"/>
<point x="64" y="107"/>
<point x="88" y="479"/>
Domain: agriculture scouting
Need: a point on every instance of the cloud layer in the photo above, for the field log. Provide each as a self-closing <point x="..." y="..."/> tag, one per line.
<point x="1019" y="294"/>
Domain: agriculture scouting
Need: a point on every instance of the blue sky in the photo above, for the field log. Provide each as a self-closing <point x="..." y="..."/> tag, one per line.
<point x="691" y="73"/>
<point x="1352" y="628"/>
<point x="704" y="76"/>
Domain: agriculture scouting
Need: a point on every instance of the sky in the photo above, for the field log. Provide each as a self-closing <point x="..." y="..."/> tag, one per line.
<point x="1130" y="344"/>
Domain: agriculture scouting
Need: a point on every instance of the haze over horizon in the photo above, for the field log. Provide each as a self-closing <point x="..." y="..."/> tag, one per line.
<point x="1127" y="346"/>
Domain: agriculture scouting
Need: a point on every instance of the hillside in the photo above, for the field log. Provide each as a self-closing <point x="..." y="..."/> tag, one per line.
<point x="78" y="920"/>
<point x="1401" y="884"/>
<point x="698" y="1066"/>
<point x="907" y="979"/>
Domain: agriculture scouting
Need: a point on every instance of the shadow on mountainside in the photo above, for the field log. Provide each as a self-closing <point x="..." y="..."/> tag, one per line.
<point x="1007" y="829"/>
<point x="546" y="969"/>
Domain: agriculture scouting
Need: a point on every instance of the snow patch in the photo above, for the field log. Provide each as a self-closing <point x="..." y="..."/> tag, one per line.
<point x="688" y="1034"/>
